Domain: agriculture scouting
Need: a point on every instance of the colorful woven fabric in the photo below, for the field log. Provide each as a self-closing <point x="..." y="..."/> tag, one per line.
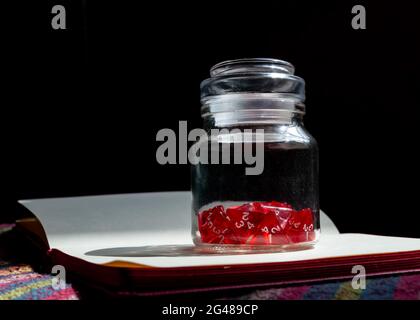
<point x="403" y="287"/>
<point x="20" y="282"/>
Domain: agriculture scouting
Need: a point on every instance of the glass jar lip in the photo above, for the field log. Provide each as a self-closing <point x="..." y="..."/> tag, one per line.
<point x="252" y="76"/>
<point x="247" y="65"/>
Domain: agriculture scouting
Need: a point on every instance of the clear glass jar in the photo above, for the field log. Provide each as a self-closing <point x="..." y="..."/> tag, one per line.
<point x="274" y="209"/>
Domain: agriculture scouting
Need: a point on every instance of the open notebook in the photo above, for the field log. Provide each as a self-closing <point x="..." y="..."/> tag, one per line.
<point x="141" y="243"/>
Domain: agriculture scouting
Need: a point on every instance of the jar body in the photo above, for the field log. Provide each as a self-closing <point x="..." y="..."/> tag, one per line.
<point x="277" y="209"/>
<point x="257" y="105"/>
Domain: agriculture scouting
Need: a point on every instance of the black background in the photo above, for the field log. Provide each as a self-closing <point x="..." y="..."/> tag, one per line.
<point x="88" y="101"/>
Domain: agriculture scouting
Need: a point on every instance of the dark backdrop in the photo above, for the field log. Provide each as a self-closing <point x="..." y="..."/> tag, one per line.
<point x="87" y="101"/>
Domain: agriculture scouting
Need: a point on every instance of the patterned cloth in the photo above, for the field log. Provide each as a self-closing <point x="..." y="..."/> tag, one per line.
<point x="402" y="287"/>
<point x="21" y="282"/>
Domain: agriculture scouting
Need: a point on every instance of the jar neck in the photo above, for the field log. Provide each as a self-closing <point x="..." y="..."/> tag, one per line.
<point x="293" y="120"/>
<point x="223" y="121"/>
<point x="252" y="110"/>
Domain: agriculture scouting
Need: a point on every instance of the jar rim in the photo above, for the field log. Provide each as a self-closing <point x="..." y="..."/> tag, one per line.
<point x="247" y="65"/>
<point x="253" y="75"/>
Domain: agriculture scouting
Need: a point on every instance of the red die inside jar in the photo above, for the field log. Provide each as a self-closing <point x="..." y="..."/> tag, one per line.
<point x="256" y="223"/>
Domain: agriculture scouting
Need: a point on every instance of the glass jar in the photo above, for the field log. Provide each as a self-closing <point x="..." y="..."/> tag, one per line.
<point x="255" y="105"/>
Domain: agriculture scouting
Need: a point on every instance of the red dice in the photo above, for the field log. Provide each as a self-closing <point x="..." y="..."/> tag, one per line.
<point x="300" y="226"/>
<point x="213" y="225"/>
<point x="244" y="222"/>
<point x="256" y="223"/>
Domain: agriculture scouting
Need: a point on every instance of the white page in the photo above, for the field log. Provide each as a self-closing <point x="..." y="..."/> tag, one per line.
<point x="102" y="229"/>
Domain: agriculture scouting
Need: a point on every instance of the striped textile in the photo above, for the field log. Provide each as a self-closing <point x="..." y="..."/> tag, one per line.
<point x="402" y="287"/>
<point x="20" y="282"/>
